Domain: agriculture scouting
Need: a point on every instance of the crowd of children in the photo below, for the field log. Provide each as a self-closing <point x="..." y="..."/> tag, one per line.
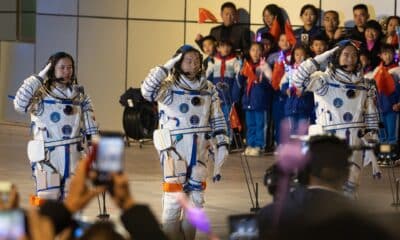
<point x="260" y="79"/>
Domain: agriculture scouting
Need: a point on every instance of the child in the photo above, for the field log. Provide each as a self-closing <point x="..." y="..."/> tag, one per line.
<point x="190" y="116"/>
<point x="318" y="45"/>
<point x="388" y="93"/>
<point x="344" y="101"/>
<point x="208" y="48"/>
<point x="391" y="36"/>
<point x="297" y="108"/>
<point x="222" y="73"/>
<point x="278" y="60"/>
<point x="253" y="86"/>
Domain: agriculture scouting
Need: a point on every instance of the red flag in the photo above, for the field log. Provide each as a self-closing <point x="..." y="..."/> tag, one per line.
<point x="384" y="80"/>
<point x="277" y="74"/>
<point x="289" y="33"/>
<point x="251" y="76"/>
<point x="234" y="119"/>
<point x="205" y="14"/>
<point x="275" y="30"/>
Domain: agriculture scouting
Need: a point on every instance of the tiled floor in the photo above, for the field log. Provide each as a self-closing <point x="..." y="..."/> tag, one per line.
<point x="230" y="196"/>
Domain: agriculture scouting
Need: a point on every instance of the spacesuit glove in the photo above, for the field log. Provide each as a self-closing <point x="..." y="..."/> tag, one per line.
<point x="170" y="63"/>
<point x="322" y="58"/>
<point x="222" y="154"/>
<point x="43" y="72"/>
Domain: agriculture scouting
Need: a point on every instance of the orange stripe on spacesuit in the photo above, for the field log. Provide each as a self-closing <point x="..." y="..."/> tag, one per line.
<point x="178" y="187"/>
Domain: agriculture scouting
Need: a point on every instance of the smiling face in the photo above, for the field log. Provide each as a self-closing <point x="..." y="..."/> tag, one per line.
<point x="191" y="64"/>
<point x="268" y="18"/>
<point x="64" y="70"/>
<point x="348" y="58"/>
<point x="371" y="34"/>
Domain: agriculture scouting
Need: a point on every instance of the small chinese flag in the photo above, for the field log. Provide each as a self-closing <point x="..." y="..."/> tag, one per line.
<point x="290" y="34"/>
<point x="384" y="81"/>
<point x="277" y="74"/>
<point x="275" y="30"/>
<point x="251" y="76"/>
<point x="234" y="119"/>
<point x="205" y="14"/>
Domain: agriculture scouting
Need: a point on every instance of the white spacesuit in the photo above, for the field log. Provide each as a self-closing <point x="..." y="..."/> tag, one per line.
<point x="60" y="116"/>
<point x="344" y="106"/>
<point x="191" y="117"/>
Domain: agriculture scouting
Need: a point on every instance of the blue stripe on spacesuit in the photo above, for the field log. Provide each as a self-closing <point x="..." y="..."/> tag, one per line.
<point x="49" y="188"/>
<point x="193" y="92"/>
<point x="347" y="86"/>
<point x="66" y="169"/>
<point x="194" y="152"/>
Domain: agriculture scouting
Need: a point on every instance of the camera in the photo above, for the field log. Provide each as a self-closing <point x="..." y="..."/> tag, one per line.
<point x="386" y="151"/>
<point x="108" y="156"/>
<point x="12" y="224"/>
<point x="243" y="227"/>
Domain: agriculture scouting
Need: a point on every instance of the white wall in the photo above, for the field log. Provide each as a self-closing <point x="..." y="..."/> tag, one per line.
<point x="116" y="42"/>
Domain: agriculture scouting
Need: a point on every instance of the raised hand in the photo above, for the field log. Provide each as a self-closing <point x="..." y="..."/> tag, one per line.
<point x="170" y="63"/>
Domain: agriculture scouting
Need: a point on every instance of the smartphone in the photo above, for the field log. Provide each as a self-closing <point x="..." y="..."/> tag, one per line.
<point x="305" y="38"/>
<point x="109" y="154"/>
<point x="243" y="227"/>
<point x="12" y="224"/>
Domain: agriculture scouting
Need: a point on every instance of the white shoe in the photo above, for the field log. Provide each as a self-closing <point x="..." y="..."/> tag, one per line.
<point x="247" y="151"/>
<point x="254" y="152"/>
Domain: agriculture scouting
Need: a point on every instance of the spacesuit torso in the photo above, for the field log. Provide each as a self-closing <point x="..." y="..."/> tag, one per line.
<point x="345" y="106"/>
<point x="60" y="117"/>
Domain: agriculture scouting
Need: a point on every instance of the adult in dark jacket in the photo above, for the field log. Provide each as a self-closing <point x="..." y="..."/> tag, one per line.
<point x="230" y="30"/>
<point x="327" y="169"/>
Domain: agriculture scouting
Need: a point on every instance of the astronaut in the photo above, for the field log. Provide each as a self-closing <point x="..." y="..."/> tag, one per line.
<point x="344" y="103"/>
<point x="190" y="123"/>
<point x="61" y="116"/>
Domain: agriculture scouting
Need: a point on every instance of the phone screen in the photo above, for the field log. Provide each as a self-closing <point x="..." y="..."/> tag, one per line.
<point x="243" y="226"/>
<point x="12" y="224"/>
<point x="110" y="151"/>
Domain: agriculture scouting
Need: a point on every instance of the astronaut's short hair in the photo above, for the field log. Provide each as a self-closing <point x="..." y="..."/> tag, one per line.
<point x="184" y="50"/>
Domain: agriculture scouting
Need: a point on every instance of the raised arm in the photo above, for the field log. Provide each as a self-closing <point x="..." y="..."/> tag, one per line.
<point x="151" y="86"/>
<point x="25" y="94"/>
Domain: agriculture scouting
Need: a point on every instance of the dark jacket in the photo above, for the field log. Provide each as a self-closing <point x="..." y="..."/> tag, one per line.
<point x="302" y="206"/>
<point x="237" y="34"/>
<point x="306" y="40"/>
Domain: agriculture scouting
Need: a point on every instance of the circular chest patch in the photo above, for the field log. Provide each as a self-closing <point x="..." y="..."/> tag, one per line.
<point x="196" y="101"/>
<point x="347" y="117"/>
<point x="66" y="130"/>
<point x="184" y="108"/>
<point x="55" y="117"/>
<point x="194" y="120"/>
<point x="338" y="102"/>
